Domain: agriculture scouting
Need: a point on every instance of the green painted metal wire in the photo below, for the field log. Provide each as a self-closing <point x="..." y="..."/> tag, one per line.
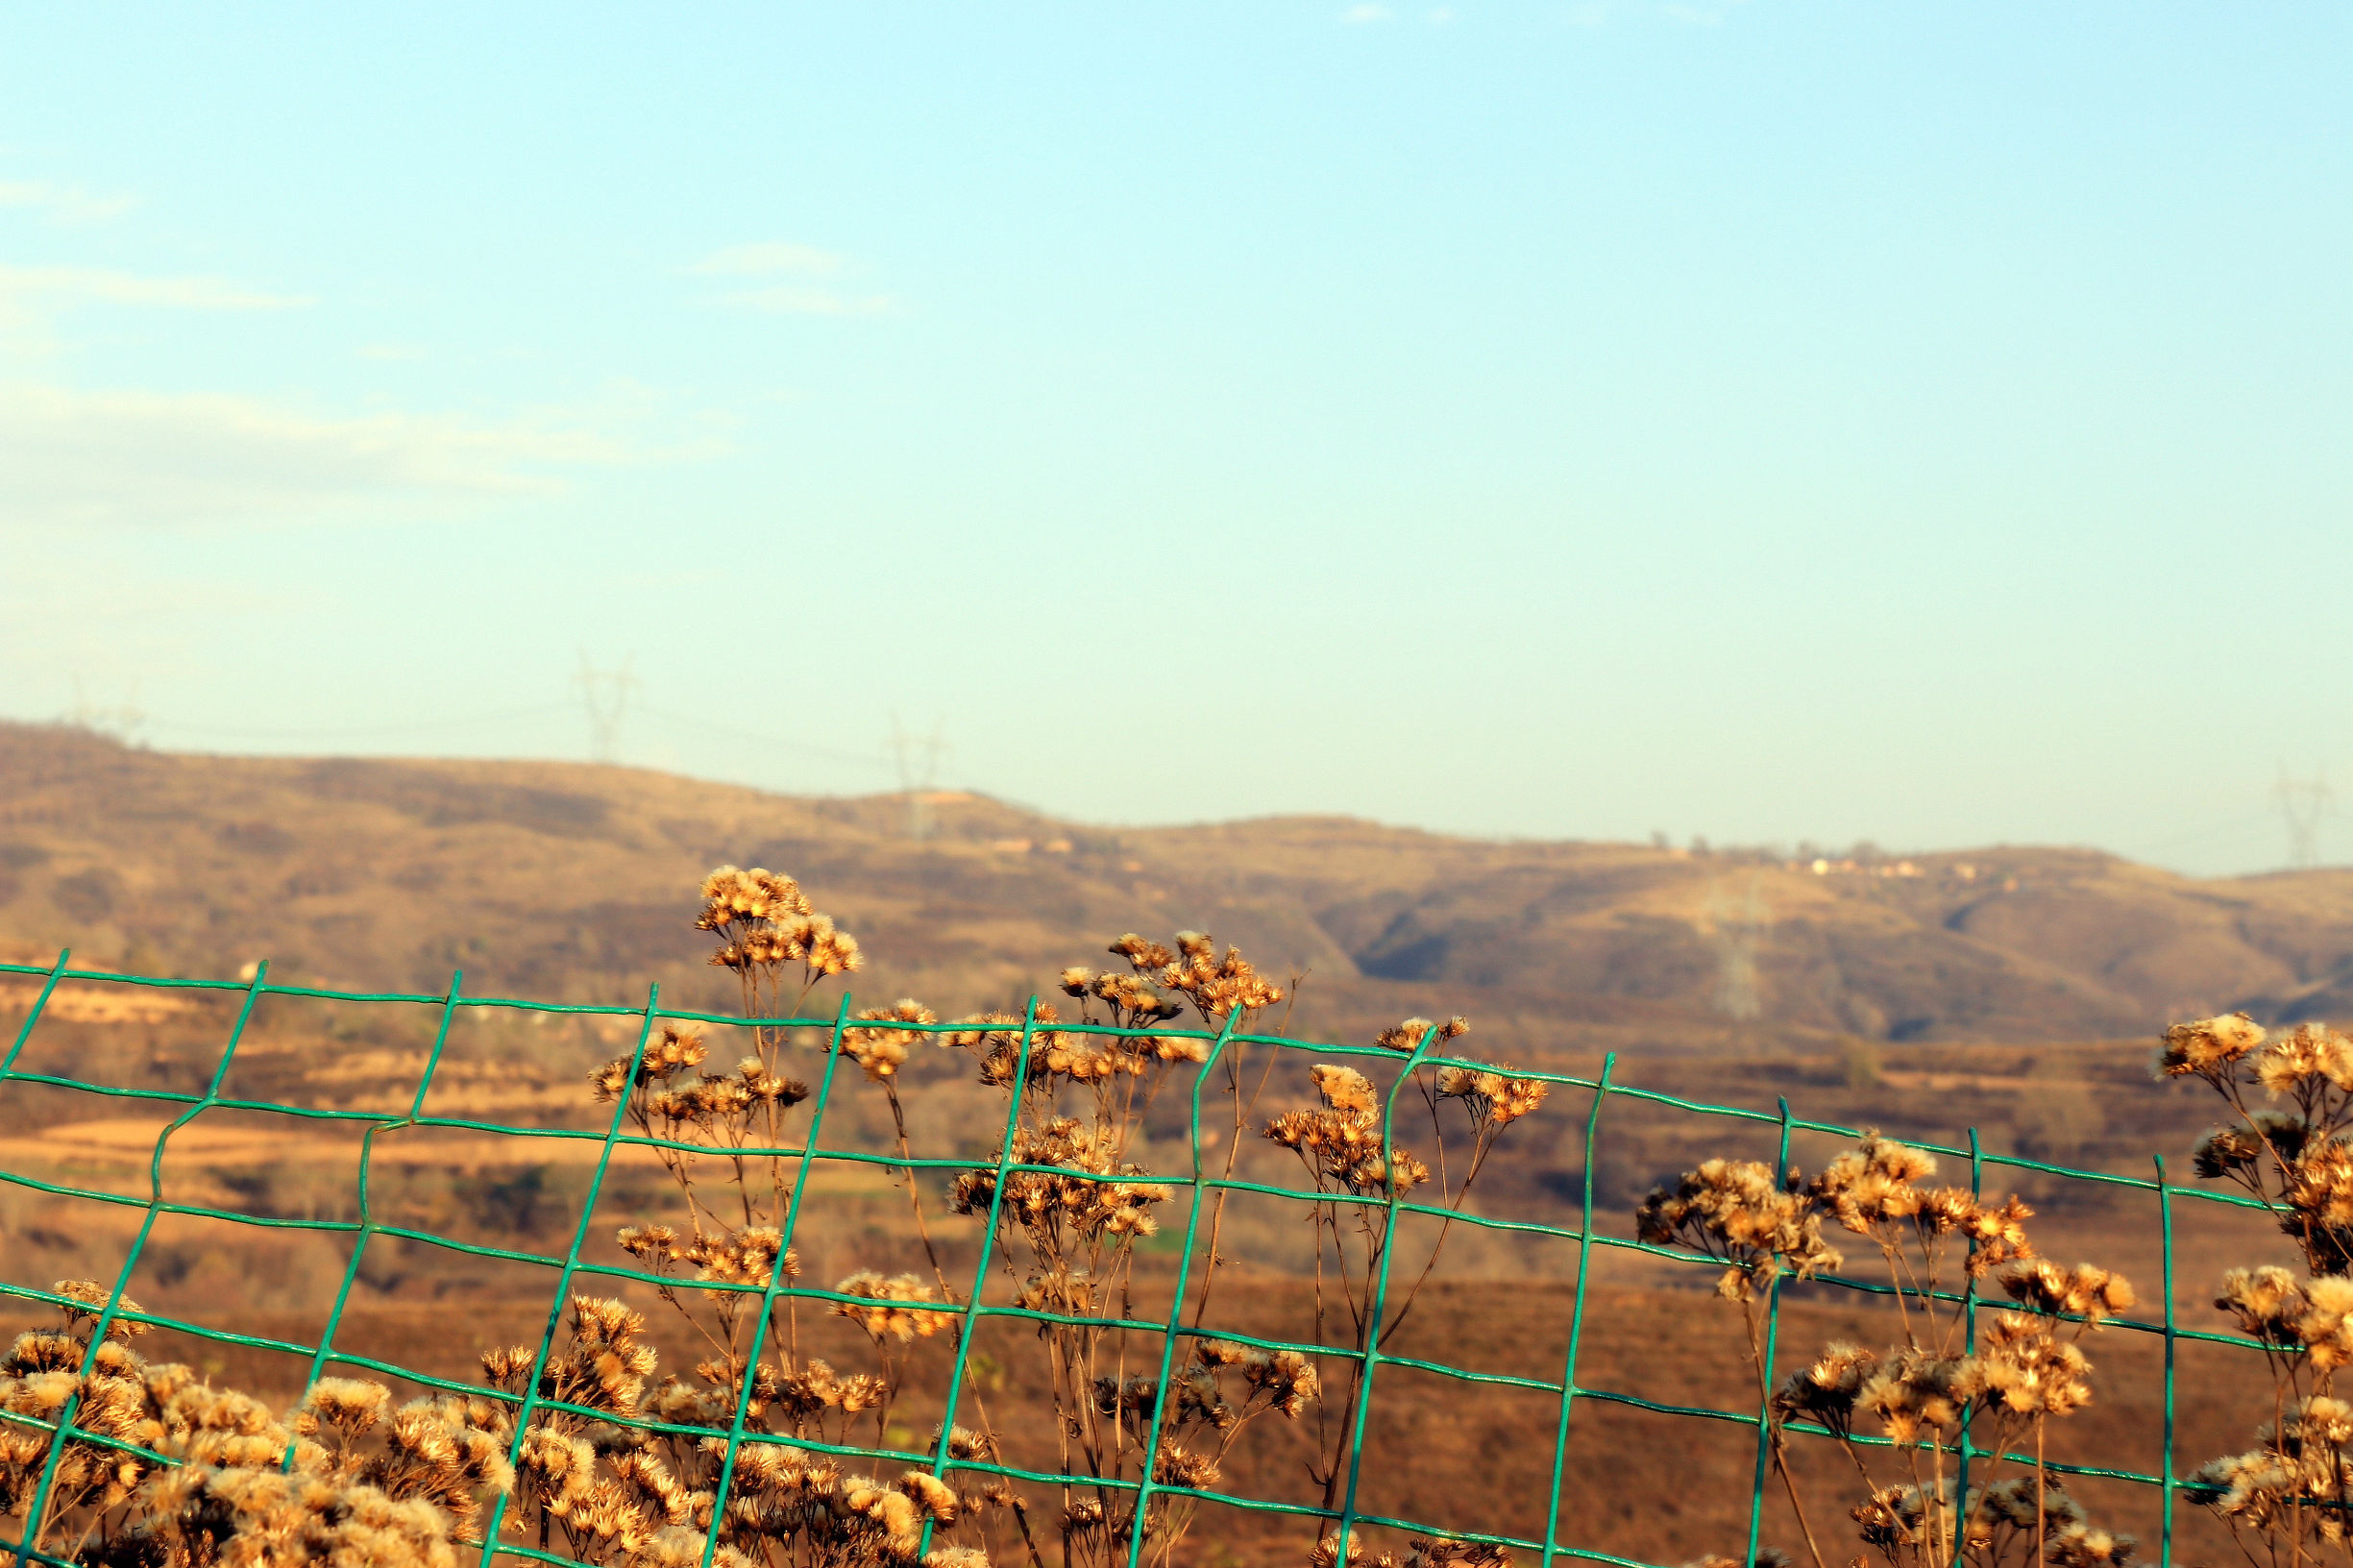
<point x="1337" y="1525"/>
<point x="776" y="1277"/>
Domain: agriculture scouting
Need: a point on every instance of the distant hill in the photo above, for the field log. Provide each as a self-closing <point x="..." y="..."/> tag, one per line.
<point x="572" y="881"/>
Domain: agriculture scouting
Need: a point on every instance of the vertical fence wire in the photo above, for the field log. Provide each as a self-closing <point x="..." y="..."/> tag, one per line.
<point x="1380" y="1307"/>
<point x="958" y="1372"/>
<point x="1176" y="1295"/>
<point x="776" y="1280"/>
<point x="2172" y="1331"/>
<point x="572" y="1264"/>
<point x="367" y="1215"/>
<point x="1764" y="1370"/>
<point x="1969" y="1346"/>
<point x="1577" y="1314"/>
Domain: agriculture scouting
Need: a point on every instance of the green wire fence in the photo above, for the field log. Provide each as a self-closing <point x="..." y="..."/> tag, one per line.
<point x="1601" y="1092"/>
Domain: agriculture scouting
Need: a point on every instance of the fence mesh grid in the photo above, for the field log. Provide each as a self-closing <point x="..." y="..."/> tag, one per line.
<point x="1599" y="1091"/>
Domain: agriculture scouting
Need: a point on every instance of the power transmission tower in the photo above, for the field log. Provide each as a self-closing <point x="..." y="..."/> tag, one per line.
<point x="606" y="693"/>
<point x="1737" y="933"/>
<point x="123" y="722"/>
<point x="2302" y="803"/>
<point x="918" y="770"/>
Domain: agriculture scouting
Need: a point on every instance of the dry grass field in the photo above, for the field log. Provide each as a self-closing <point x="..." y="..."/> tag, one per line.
<point x="2019" y="999"/>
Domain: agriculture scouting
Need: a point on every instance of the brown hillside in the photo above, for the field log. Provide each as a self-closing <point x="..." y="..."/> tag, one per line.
<point x="558" y="880"/>
<point x="566" y="882"/>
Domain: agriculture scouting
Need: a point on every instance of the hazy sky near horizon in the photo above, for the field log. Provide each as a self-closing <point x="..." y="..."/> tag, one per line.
<point x="1768" y="420"/>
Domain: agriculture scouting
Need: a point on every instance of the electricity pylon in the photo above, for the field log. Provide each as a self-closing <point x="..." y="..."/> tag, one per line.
<point x="918" y="770"/>
<point x="123" y="722"/>
<point x="2302" y="803"/>
<point x="606" y="693"/>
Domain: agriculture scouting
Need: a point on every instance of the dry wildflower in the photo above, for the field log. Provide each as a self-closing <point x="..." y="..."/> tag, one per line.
<point x="731" y="897"/>
<point x="210" y="1475"/>
<point x="676" y="1547"/>
<point x="1215" y="986"/>
<point x="932" y="1497"/>
<point x="664" y="1057"/>
<point x="1875" y="1184"/>
<point x="1285" y="1380"/>
<point x="1827" y="1391"/>
<point x="963" y="1443"/>
<point x="2082" y="1292"/>
<point x="1177" y="1466"/>
<point x="2324" y="1327"/>
<point x="1408" y="1034"/>
<point x="2307" y="1054"/>
<point x="2080" y="1546"/>
<point x="1054" y="1054"/>
<point x="2209" y="1048"/>
<point x="346" y="1406"/>
<point x="1922" y="1390"/>
<point x="1915" y="1393"/>
<point x="1492" y="1098"/>
<point x="1345" y="1089"/>
<point x="741" y="1257"/>
<point x="1096" y="1200"/>
<point x="1901" y="1520"/>
<point x="1440" y="1552"/>
<point x="2020" y="1365"/>
<point x="878" y="1310"/>
<point x="2318" y="1199"/>
<point x="2276" y="1136"/>
<point x="1734" y="1211"/>
<point x="881" y="1050"/>
<point x="2018" y="1502"/>
<point x="1997" y="1236"/>
<point x="765" y="922"/>
<point x="955" y="1557"/>
<point x="656" y="1244"/>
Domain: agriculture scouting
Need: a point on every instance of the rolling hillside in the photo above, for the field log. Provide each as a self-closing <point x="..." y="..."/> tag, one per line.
<point x="571" y="881"/>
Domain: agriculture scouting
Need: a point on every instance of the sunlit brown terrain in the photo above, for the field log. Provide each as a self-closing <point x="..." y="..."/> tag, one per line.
<point x="2012" y="991"/>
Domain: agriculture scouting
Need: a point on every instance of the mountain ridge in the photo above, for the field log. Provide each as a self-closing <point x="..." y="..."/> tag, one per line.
<point x="567" y="881"/>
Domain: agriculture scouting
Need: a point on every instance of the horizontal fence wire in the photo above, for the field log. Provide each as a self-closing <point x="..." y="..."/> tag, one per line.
<point x="737" y="1436"/>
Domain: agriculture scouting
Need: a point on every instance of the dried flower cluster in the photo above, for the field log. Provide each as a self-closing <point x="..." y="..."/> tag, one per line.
<point x="1071" y="1208"/>
<point x="177" y="1474"/>
<point x="765" y="925"/>
<point x="2291" y="1495"/>
<point x="2025" y="1367"/>
<point x="1362" y="1170"/>
<point x="2297" y="1153"/>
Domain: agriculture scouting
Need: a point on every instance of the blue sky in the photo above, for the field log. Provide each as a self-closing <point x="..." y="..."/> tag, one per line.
<point x="1766" y="421"/>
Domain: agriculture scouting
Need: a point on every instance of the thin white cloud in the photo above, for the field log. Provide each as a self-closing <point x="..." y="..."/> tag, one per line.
<point x="62" y="203"/>
<point x="773" y="256"/>
<point x="110" y="286"/>
<point x="1358" y="15"/>
<point x="803" y="281"/>
<point x="791" y="300"/>
<point x="72" y="458"/>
